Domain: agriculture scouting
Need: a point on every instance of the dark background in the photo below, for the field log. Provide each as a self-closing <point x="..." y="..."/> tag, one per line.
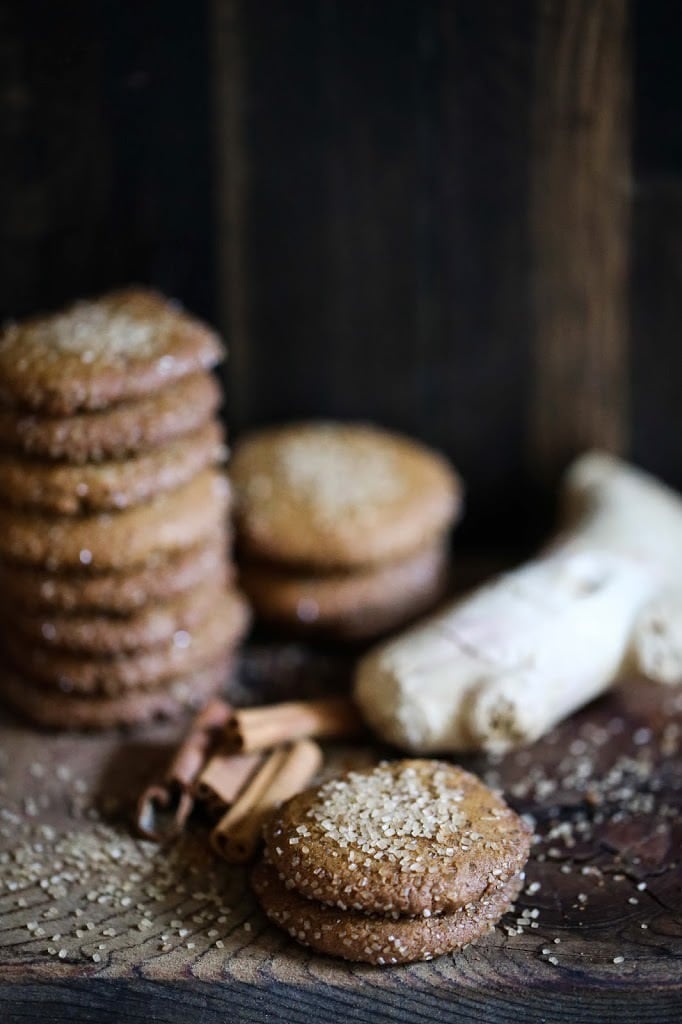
<point x="458" y="218"/>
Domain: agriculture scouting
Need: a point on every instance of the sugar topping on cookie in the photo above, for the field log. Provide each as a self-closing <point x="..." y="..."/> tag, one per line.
<point x="129" y="323"/>
<point x="337" y="476"/>
<point x="125" y="345"/>
<point x="340" y="495"/>
<point x="89" y="329"/>
<point x="404" y="837"/>
<point x="384" y="814"/>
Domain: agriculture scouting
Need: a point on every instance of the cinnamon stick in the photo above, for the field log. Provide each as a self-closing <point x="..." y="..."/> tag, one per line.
<point x="223" y="777"/>
<point x="260" y="728"/>
<point x="163" y="807"/>
<point x="286" y="772"/>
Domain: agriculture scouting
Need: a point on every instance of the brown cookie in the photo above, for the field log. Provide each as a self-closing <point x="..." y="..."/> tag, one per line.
<point x="122" y="346"/>
<point x="188" y="652"/>
<point x="118" y="540"/>
<point x="55" y="710"/>
<point x="353" y="605"/>
<point x="161" y="578"/>
<point x="404" y="837"/>
<point x="106" y="486"/>
<point x="117" y="432"/>
<point x="330" y="495"/>
<point x="100" y="635"/>
<point x="378" y="940"/>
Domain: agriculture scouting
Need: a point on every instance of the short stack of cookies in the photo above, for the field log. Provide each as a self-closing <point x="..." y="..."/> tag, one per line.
<point x="342" y="529"/>
<point x="404" y="861"/>
<point x="116" y="581"/>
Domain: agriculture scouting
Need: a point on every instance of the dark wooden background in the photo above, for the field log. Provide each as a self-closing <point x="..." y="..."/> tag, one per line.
<point x="459" y="218"/>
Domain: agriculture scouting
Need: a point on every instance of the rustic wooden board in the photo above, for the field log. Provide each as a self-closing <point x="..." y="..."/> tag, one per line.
<point x="604" y="790"/>
<point x="580" y="230"/>
<point x="106" y="176"/>
<point x="416" y="212"/>
<point x="372" y="240"/>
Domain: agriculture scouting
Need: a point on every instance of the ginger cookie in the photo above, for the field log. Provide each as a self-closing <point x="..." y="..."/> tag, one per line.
<point x="119" y="347"/>
<point x="354" y="605"/>
<point x="328" y="495"/>
<point x="106" y="486"/>
<point x="413" y="837"/>
<point x="55" y="710"/>
<point x="118" y="540"/>
<point x="118" y="431"/>
<point x="152" y="626"/>
<point x="187" y="652"/>
<point x="378" y="940"/>
<point x="160" y="578"/>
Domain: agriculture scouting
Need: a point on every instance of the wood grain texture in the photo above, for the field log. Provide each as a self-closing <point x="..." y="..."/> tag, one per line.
<point x="656" y="285"/>
<point x="476" y="374"/>
<point x="657" y="315"/>
<point x="377" y="189"/>
<point x="359" y="189"/>
<point x="231" y="195"/>
<point x="596" y="847"/>
<point x="580" y="224"/>
<point x="56" y="165"/>
<point x="105" y="177"/>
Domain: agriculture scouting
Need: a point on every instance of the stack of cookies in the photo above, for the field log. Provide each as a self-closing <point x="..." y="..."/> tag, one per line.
<point x="113" y="521"/>
<point x="403" y="861"/>
<point x="342" y="529"/>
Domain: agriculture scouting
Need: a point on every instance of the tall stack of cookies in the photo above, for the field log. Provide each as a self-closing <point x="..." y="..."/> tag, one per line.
<point x="343" y="529"/>
<point x="114" y="565"/>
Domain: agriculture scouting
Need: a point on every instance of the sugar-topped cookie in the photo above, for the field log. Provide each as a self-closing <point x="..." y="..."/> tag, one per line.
<point x="55" y="710"/>
<point x="121" y="346"/>
<point x="116" y="432"/>
<point x="382" y="941"/>
<point x="355" y="605"/>
<point x="118" y="540"/>
<point x="160" y="578"/>
<point x="105" y="486"/>
<point x="188" y="651"/>
<point x="331" y="495"/>
<point x="413" y="837"/>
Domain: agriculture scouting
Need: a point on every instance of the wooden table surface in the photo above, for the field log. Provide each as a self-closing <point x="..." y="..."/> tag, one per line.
<point x="95" y="925"/>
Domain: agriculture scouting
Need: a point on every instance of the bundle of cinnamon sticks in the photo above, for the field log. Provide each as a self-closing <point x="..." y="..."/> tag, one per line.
<point x="240" y="764"/>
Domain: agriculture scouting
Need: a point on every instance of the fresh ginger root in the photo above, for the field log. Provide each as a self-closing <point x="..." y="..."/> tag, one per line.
<point x="504" y="664"/>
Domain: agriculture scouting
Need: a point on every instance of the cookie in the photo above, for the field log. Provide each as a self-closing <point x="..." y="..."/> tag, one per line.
<point x="118" y="540"/>
<point x="106" y="486"/>
<point x="354" y="605"/>
<point x="122" y="346"/>
<point x="328" y="495"/>
<point x="55" y="710"/>
<point x="161" y="578"/>
<point x="117" y="432"/>
<point x="98" y="634"/>
<point x="405" y="837"/>
<point x="188" y="652"/>
<point x="378" y="940"/>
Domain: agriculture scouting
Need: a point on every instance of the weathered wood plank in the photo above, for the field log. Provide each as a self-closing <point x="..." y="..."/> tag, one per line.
<point x="375" y="257"/>
<point x="477" y="364"/>
<point x="231" y="198"/>
<point x="55" y="165"/>
<point x="91" y="1001"/>
<point x="603" y="789"/>
<point x="105" y="171"/>
<point x="580" y="223"/>
<point x="656" y="286"/>
<point x="657" y="315"/>
<point x="374" y="186"/>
